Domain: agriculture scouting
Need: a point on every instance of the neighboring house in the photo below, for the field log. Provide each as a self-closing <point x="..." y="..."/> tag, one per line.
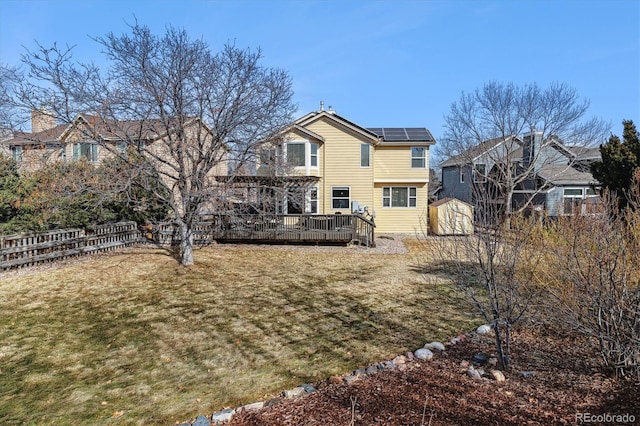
<point x="348" y="168"/>
<point x="461" y="172"/>
<point x="557" y="180"/>
<point x="93" y="140"/>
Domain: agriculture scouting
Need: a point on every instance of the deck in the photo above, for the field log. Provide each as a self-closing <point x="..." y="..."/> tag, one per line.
<point x="272" y="228"/>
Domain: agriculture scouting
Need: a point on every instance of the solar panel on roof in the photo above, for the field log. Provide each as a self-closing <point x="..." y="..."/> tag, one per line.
<point x="402" y="134"/>
<point x="395" y="134"/>
<point x="418" y="134"/>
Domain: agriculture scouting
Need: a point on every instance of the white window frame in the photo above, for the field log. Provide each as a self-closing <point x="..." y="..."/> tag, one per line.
<point x="422" y="158"/>
<point x="365" y="154"/>
<point x="311" y="204"/>
<point x="461" y="175"/>
<point x="334" y="198"/>
<point x="313" y="156"/>
<point x="121" y="147"/>
<point x="77" y="151"/>
<point x="310" y="158"/>
<point x="304" y="157"/>
<point x="387" y="197"/>
<point x="268" y="156"/>
<point x="480" y="176"/>
<point x="16" y="153"/>
<point x="585" y="194"/>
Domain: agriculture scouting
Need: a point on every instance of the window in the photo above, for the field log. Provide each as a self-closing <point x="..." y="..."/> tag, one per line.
<point x="121" y="147"/>
<point x="16" y="153"/>
<point x="313" y="200"/>
<point x="314" y="155"/>
<point x="340" y="197"/>
<point x="399" y="196"/>
<point x="365" y="155"/>
<point x="85" y="150"/>
<point x="418" y="157"/>
<point x="572" y="201"/>
<point x="295" y="154"/>
<point x="480" y="173"/>
<point x="461" y="176"/>
<point x="267" y="156"/>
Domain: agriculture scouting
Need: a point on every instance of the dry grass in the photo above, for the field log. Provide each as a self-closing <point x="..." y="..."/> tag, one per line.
<point x="133" y="338"/>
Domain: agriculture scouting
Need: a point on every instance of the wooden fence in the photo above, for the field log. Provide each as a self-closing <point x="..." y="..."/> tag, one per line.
<point x="34" y="248"/>
<point x="272" y="228"/>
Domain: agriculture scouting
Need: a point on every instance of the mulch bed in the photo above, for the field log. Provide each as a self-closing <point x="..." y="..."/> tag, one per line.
<point x="567" y="381"/>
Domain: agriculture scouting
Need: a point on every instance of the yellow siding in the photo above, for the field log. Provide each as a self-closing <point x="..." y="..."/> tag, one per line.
<point x="394" y="162"/>
<point x="339" y="166"/>
<point x="409" y="220"/>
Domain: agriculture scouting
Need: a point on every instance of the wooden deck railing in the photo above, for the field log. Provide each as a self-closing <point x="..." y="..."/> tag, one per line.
<point x="269" y="228"/>
<point x="34" y="248"/>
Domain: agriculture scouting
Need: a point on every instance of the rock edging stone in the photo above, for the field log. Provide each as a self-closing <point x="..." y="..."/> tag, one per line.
<point x="400" y="362"/>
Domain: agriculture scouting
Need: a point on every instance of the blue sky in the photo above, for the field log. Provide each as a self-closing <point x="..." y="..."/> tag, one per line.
<point x="380" y="63"/>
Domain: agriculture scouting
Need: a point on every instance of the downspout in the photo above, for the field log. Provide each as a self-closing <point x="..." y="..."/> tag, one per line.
<point x="324" y="177"/>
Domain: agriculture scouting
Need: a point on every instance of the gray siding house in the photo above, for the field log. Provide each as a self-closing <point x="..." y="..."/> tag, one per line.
<point x="558" y="181"/>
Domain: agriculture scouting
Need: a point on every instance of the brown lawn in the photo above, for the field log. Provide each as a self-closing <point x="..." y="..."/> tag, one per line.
<point x="134" y="338"/>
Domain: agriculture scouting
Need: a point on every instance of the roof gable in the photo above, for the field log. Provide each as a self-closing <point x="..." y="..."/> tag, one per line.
<point x="377" y="135"/>
<point x="448" y="200"/>
<point x="332" y="116"/>
<point x="469" y="155"/>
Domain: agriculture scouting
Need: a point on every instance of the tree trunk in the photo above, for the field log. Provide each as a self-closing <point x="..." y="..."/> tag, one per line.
<point x="502" y="354"/>
<point x="186" y="245"/>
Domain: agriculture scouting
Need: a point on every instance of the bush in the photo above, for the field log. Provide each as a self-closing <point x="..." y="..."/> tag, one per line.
<point x="592" y="274"/>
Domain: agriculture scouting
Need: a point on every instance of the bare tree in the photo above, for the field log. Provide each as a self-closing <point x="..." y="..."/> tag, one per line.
<point x="181" y="109"/>
<point x="493" y="269"/>
<point x="10" y="117"/>
<point x="486" y="130"/>
<point x="508" y="136"/>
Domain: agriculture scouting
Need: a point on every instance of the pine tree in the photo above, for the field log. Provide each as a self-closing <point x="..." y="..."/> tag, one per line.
<point x="620" y="159"/>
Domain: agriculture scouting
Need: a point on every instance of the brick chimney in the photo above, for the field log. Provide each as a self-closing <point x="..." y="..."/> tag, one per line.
<point x="42" y="120"/>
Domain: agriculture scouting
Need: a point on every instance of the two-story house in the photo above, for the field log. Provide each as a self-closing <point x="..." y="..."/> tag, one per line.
<point x="381" y="171"/>
<point x="550" y="176"/>
<point x="95" y="140"/>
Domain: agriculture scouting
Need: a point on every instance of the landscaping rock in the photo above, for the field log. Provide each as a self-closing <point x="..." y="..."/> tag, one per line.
<point x="223" y="416"/>
<point x="527" y="374"/>
<point x="273" y="401"/>
<point x="294" y="393"/>
<point x="400" y="360"/>
<point x="409" y="356"/>
<point x="434" y="345"/>
<point x="480" y="359"/>
<point x="308" y="388"/>
<point x="201" y="421"/>
<point x="423" y="353"/>
<point x="474" y="374"/>
<point x="350" y="379"/>
<point x="464" y="364"/>
<point x="493" y="361"/>
<point x="251" y="407"/>
<point x="371" y="369"/>
<point x="483" y="329"/>
<point x="360" y="372"/>
<point x="498" y="376"/>
<point x="388" y="365"/>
